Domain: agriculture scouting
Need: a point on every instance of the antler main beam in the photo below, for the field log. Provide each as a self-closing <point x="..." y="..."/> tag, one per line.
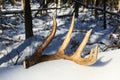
<point x="34" y="59"/>
<point x="60" y="54"/>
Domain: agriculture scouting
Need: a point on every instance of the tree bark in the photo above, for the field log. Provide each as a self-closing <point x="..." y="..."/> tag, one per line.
<point x="44" y="6"/>
<point x="28" y="20"/>
<point x="76" y="9"/>
<point x="22" y="4"/>
<point x="104" y="14"/>
<point x="59" y="3"/>
<point x="96" y="5"/>
<point x="119" y="6"/>
<point x="12" y="2"/>
<point x="1" y="4"/>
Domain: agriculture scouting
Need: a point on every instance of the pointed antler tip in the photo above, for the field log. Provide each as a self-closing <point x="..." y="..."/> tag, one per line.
<point x="53" y="16"/>
<point x="96" y="46"/>
<point x="90" y="30"/>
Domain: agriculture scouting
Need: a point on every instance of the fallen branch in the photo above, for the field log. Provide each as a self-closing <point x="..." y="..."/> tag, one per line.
<point x="106" y="46"/>
<point x="22" y="11"/>
<point x="83" y="31"/>
<point x="9" y="39"/>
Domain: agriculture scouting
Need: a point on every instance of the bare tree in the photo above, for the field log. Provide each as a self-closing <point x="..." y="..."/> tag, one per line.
<point x="104" y="13"/>
<point x="28" y="19"/>
<point x="76" y="9"/>
<point x="119" y="6"/>
<point x="1" y="4"/>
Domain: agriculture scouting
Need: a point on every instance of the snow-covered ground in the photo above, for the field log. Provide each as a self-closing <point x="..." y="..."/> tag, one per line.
<point x="14" y="48"/>
<point x="106" y="68"/>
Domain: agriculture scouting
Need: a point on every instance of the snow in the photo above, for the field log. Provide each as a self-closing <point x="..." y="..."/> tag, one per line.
<point x="106" y="68"/>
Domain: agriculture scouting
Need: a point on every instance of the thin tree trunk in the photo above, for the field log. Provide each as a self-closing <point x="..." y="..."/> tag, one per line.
<point x="76" y="9"/>
<point x="22" y="4"/>
<point x="44" y="6"/>
<point x="96" y="5"/>
<point x="28" y="20"/>
<point x="104" y="13"/>
<point x="119" y="6"/>
<point x="59" y="3"/>
<point x="12" y="2"/>
<point x="1" y="4"/>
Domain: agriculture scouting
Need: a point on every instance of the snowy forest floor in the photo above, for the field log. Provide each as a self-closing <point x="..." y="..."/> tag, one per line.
<point x="14" y="48"/>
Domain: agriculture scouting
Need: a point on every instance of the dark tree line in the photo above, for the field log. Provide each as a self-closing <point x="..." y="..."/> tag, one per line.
<point x="97" y="3"/>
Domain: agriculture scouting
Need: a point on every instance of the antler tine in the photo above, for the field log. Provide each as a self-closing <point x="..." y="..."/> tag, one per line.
<point x="93" y="56"/>
<point x="35" y="57"/>
<point x="48" y="39"/>
<point x="76" y="57"/>
<point x="91" y="59"/>
<point x="67" y="38"/>
<point x="80" y="49"/>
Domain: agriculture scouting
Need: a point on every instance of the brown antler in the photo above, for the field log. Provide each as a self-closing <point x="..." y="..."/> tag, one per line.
<point x="35" y="57"/>
<point x="76" y="57"/>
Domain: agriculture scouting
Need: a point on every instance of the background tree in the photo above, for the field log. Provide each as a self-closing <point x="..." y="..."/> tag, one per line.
<point x="12" y="2"/>
<point x="28" y="19"/>
<point x="104" y="13"/>
<point x="76" y="9"/>
<point x="119" y="6"/>
<point x="1" y="4"/>
<point x="96" y="5"/>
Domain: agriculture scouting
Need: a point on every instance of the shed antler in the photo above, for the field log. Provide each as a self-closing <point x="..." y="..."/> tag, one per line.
<point x="35" y="57"/>
<point x="60" y="54"/>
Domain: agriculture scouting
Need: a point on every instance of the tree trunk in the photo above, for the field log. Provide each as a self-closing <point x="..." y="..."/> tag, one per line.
<point x="28" y="20"/>
<point x="96" y="5"/>
<point x="44" y="6"/>
<point x="12" y="2"/>
<point x="1" y="4"/>
<point x="59" y="3"/>
<point x="76" y="9"/>
<point x="22" y="4"/>
<point x="104" y="14"/>
<point x="119" y="6"/>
